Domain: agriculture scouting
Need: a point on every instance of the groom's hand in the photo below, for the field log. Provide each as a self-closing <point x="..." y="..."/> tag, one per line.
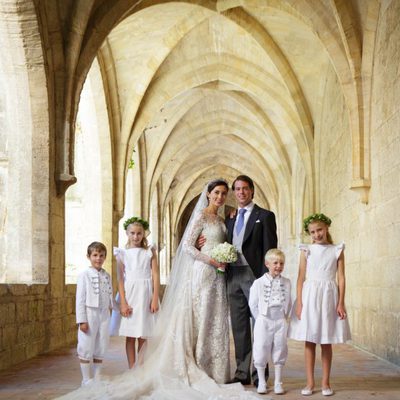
<point x="200" y="242"/>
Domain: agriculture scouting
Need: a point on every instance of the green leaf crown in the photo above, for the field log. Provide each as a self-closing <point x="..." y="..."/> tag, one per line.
<point x="139" y="220"/>
<point x="315" y="217"/>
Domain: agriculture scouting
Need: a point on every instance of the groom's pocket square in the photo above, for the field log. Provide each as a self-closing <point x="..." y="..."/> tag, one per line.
<point x="258" y="221"/>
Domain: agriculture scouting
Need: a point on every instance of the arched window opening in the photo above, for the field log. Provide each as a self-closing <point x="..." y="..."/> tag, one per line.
<point x="88" y="203"/>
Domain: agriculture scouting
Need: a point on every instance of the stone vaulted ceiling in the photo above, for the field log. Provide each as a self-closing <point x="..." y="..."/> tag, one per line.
<point x="215" y="88"/>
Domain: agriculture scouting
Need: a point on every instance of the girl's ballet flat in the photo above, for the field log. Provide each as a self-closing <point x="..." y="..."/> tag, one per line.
<point x="327" y="392"/>
<point x="306" y="392"/>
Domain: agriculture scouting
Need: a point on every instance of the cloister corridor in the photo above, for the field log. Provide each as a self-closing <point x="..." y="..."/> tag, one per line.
<point x="118" y="108"/>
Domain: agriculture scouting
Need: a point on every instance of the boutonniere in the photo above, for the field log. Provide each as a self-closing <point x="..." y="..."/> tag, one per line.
<point x="258" y="221"/>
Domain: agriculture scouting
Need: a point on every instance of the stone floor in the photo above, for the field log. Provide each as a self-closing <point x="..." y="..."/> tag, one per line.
<point x="356" y="375"/>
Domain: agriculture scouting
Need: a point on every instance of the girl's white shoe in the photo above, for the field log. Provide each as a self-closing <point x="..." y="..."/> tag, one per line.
<point x="306" y="391"/>
<point x="327" y="392"/>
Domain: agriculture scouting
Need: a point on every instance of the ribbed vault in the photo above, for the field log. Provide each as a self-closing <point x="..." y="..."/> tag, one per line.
<point x="246" y="98"/>
<point x="223" y="86"/>
<point x="330" y="30"/>
<point x="256" y="75"/>
<point x="208" y="83"/>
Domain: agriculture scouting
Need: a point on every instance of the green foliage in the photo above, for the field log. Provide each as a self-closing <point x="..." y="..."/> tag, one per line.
<point x="315" y="217"/>
<point x="132" y="161"/>
<point x="139" y="220"/>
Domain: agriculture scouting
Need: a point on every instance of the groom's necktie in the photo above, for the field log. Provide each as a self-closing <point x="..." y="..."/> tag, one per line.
<point x="240" y="222"/>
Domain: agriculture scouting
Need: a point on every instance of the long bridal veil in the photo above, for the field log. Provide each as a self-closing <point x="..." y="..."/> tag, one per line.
<point x="168" y="370"/>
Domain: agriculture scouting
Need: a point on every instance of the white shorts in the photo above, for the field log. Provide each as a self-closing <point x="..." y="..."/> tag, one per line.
<point x="270" y="341"/>
<point x="94" y="343"/>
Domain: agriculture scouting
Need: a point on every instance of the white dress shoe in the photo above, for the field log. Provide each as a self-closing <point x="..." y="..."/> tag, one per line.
<point x="262" y="388"/>
<point x="87" y="382"/>
<point x="278" y="388"/>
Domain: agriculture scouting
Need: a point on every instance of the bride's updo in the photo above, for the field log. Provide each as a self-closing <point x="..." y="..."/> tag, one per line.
<point x="217" y="182"/>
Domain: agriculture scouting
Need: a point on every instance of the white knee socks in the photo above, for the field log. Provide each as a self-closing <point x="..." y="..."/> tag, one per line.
<point x="85" y="369"/>
<point x="278" y="373"/>
<point x="97" y="371"/>
<point x="261" y="376"/>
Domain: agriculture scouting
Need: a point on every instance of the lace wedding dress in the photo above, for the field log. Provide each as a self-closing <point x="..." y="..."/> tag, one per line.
<point x="209" y="300"/>
<point x="188" y="356"/>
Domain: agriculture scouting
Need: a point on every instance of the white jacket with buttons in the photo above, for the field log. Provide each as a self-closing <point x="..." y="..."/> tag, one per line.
<point x="88" y="293"/>
<point x="260" y="293"/>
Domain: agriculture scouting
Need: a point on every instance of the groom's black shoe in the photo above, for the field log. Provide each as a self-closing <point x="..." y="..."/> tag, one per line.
<point x="242" y="381"/>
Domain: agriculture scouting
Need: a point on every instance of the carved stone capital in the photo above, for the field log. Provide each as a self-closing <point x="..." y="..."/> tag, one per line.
<point x="63" y="182"/>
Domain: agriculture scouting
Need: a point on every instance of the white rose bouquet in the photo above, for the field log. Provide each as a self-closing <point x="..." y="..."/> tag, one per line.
<point x="224" y="253"/>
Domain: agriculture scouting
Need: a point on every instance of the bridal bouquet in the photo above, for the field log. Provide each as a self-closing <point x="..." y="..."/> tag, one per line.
<point x="224" y="253"/>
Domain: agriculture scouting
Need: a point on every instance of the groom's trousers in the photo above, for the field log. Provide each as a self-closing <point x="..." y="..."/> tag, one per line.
<point x="239" y="281"/>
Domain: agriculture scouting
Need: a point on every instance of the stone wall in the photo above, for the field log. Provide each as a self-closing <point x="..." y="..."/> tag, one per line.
<point x="34" y="322"/>
<point x="377" y="322"/>
<point x="371" y="231"/>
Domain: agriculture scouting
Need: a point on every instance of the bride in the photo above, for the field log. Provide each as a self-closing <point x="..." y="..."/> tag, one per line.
<point x="188" y="356"/>
<point x="210" y="325"/>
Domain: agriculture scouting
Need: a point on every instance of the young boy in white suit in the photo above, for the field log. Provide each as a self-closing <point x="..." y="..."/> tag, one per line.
<point x="94" y="300"/>
<point x="270" y="304"/>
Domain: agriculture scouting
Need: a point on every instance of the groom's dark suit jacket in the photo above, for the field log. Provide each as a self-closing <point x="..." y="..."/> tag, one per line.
<point x="259" y="237"/>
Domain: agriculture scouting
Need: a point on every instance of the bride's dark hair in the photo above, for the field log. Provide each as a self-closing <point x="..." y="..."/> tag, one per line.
<point x="217" y="182"/>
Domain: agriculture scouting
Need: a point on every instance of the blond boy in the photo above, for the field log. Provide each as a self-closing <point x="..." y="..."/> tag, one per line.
<point x="270" y="303"/>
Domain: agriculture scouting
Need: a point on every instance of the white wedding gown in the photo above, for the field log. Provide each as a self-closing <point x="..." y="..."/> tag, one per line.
<point x="209" y="300"/>
<point x="188" y="358"/>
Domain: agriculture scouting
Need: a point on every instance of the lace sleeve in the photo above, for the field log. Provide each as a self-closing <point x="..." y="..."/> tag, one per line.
<point x="189" y="244"/>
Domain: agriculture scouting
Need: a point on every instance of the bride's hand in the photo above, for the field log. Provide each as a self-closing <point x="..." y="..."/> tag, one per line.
<point x="222" y="266"/>
<point x="217" y="264"/>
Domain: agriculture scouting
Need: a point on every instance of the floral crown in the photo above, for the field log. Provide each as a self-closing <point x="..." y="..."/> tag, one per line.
<point x="139" y="220"/>
<point x="315" y="217"/>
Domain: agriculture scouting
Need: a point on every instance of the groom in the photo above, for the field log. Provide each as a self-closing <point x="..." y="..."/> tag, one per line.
<point x="252" y="230"/>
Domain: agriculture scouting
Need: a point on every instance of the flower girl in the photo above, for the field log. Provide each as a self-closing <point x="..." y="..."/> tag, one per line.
<point x="319" y="312"/>
<point x="138" y="286"/>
